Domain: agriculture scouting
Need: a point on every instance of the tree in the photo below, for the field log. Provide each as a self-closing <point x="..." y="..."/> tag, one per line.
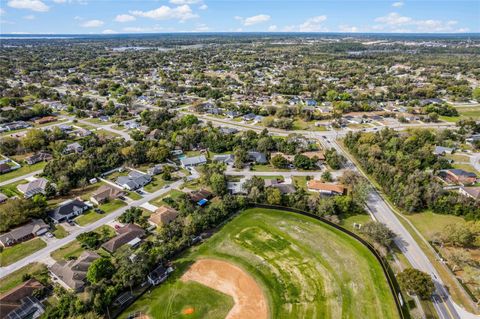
<point x="131" y="215"/>
<point x="218" y="183"/>
<point x="34" y="140"/>
<point x="333" y="159"/>
<point x="9" y="145"/>
<point x="279" y="161"/>
<point x="303" y="162"/>
<point x="476" y="94"/>
<point x="379" y="232"/>
<point x="274" y="196"/>
<point x="326" y="176"/>
<point x="89" y="240"/>
<point x="416" y="282"/>
<point x="101" y="268"/>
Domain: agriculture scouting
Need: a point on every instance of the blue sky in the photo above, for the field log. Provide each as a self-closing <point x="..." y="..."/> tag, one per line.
<point x="122" y="16"/>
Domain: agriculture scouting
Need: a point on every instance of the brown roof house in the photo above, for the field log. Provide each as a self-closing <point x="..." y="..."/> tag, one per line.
<point x="458" y="176"/>
<point x="105" y="193"/>
<point x="473" y="192"/>
<point x="326" y="188"/>
<point x="72" y="273"/>
<point x="129" y="234"/>
<point x="19" y="303"/>
<point x="20" y="234"/>
<point x="162" y="216"/>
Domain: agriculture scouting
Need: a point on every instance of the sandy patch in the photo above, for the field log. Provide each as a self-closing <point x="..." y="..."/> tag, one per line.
<point x="249" y="299"/>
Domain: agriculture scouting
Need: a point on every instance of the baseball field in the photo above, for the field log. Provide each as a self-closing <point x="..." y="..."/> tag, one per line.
<point x="275" y="264"/>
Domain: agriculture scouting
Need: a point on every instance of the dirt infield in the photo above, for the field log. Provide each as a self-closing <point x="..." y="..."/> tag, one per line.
<point x="249" y="299"/>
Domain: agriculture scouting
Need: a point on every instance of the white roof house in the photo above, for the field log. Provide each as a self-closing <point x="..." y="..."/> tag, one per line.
<point x="193" y="161"/>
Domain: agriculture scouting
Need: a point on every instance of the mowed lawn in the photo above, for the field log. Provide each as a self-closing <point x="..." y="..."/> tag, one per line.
<point x="307" y="269"/>
<point x="91" y="216"/>
<point x="12" y="254"/>
<point x="24" y="170"/>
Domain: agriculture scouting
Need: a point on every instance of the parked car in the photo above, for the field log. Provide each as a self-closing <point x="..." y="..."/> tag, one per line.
<point x="99" y="211"/>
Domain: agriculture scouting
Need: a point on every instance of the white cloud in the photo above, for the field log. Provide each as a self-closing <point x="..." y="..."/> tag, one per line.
<point x="259" y="18"/>
<point x="398" y="4"/>
<point x="395" y="22"/>
<point x="203" y="7"/>
<point x="109" y="31"/>
<point x="124" y="18"/>
<point x="314" y="24"/>
<point x="272" y="28"/>
<point x="347" y="28"/>
<point x="29" y="17"/>
<point x="181" y="13"/>
<point x="142" y="29"/>
<point x="201" y="27"/>
<point x="2" y="12"/>
<point x="92" y="24"/>
<point x="59" y="1"/>
<point x="182" y="2"/>
<point x="34" y="5"/>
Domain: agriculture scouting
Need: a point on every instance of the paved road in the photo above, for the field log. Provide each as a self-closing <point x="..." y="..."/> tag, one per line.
<point x="19" y="178"/>
<point x="383" y="213"/>
<point x="107" y="127"/>
<point x="44" y="254"/>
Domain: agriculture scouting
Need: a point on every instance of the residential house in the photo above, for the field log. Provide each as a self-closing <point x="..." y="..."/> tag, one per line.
<point x="130" y="124"/>
<point x="38" y="157"/>
<point x="106" y="193"/>
<point x="284" y="188"/>
<point x="134" y="180"/>
<point x="197" y="196"/>
<point x="289" y="158"/>
<point x="159" y="275"/>
<point x="310" y="102"/>
<point x="68" y="210"/>
<point x="19" y="303"/>
<point x="193" y="161"/>
<point x="318" y="154"/>
<point x="126" y="234"/>
<point x="232" y="114"/>
<point x="326" y="188"/>
<point x="224" y="158"/>
<point x="5" y="168"/>
<point x="72" y="274"/>
<point x="472" y="192"/>
<point x="46" y="119"/>
<point x="257" y="157"/>
<point x="33" y="188"/>
<point x="458" y="176"/>
<point x="440" y="150"/>
<point x="35" y="227"/>
<point x="73" y="148"/>
<point x="249" y="117"/>
<point x="162" y="216"/>
<point x="228" y="130"/>
<point x="157" y="169"/>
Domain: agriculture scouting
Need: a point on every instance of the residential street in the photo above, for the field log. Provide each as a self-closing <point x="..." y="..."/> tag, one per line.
<point x="44" y="254"/>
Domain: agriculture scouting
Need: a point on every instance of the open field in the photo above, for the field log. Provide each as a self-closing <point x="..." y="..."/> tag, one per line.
<point x="16" y="277"/>
<point x="12" y="254"/>
<point x="24" y="170"/>
<point x="173" y="194"/>
<point x="91" y="216"/>
<point x="305" y="268"/>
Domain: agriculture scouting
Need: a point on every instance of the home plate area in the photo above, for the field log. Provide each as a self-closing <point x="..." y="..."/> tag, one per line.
<point x="231" y="280"/>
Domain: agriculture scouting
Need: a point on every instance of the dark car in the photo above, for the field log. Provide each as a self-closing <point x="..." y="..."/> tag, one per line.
<point x="99" y="211"/>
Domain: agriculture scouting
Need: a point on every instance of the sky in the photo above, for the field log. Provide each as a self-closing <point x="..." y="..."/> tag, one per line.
<point x="157" y="16"/>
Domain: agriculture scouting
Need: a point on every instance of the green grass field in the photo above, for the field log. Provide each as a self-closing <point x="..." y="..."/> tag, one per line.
<point x="173" y="194"/>
<point x="307" y="270"/>
<point x="24" y="170"/>
<point x="16" y="278"/>
<point x="12" y="254"/>
<point x="91" y="216"/>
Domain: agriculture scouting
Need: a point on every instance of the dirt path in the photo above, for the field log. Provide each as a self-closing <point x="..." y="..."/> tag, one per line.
<point x="233" y="281"/>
